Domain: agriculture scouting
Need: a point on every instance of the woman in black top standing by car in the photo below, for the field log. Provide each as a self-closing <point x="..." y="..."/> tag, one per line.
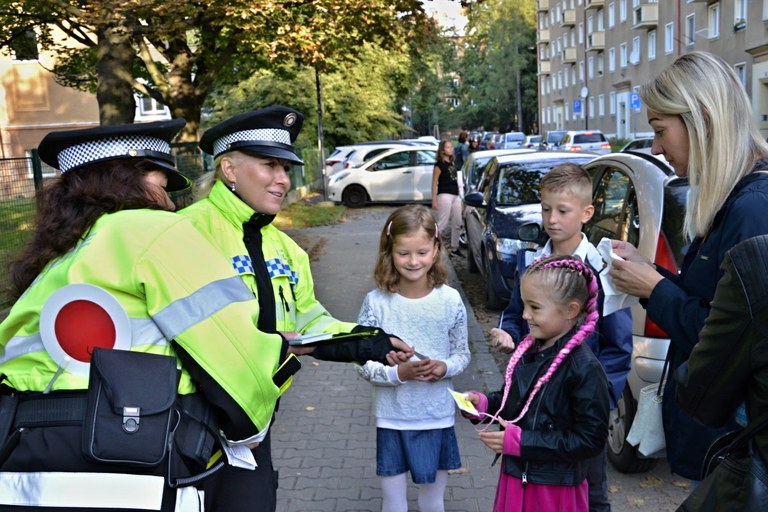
<point x="445" y="195"/>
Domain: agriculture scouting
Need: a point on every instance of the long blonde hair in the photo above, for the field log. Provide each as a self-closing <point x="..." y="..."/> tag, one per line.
<point x="724" y="141"/>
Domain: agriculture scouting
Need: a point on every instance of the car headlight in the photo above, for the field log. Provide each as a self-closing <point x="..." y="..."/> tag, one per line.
<point x="338" y="177"/>
<point x="506" y="248"/>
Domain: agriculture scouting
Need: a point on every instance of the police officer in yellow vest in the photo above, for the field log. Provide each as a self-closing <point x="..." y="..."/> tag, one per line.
<point x="131" y="353"/>
<point x="237" y="203"/>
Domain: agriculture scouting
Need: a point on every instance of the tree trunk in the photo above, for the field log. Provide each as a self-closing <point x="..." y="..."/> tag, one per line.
<point x="114" y="67"/>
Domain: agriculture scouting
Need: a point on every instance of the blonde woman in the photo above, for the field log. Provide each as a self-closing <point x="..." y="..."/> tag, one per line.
<point x="702" y="122"/>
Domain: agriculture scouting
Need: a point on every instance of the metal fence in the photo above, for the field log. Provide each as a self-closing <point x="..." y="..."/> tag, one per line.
<point x="21" y="177"/>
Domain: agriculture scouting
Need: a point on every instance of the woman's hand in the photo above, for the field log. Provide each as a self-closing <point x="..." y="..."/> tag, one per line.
<point x="633" y="278"/>
<point x="501" y="340"/>
<point x="402" y="353"/>
<point x="628" y="252"/>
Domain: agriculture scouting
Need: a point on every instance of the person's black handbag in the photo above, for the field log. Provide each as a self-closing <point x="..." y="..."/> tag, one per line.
<point x="734" y="476"/>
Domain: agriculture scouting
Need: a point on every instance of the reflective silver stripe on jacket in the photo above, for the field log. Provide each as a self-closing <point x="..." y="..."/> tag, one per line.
<point x="317" y="312"/>
<point x="182" y="314"/>
<point x="144" y="331"/>
<point x="166" y="324"/>
<point x="82" y="490"/>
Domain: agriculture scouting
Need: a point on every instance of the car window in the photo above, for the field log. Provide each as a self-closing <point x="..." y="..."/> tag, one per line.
<point x="426" y="157"/>
<point x="675" y="199"/>
<point x="374" y="152"/>
<point x="588" y="137"/>
<point x="478" y="165"/>
<point x="514" y="137"/>
<point x="616" y="212"/>
<point x="395" y="160"/>
<point x="518" y="184"/>
<point x="485" y="178"/>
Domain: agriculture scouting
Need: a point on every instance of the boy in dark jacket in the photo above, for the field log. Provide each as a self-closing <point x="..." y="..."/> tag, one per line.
<point x="566" y="204"/>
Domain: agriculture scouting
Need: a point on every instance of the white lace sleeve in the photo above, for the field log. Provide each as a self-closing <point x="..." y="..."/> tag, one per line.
<point x="458" y="360"/>
<point x="366" y="316"/>
<point x="379" y="374"/>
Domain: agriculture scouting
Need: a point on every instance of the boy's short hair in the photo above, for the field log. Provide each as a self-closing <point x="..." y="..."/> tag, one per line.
<point x="568" y="178"/>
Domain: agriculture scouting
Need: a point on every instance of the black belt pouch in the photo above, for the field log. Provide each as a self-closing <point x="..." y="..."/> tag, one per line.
<point x="130" y="413"/>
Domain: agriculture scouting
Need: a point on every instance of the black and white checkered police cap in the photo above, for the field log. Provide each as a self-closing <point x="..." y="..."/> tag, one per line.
<point x="73" y="149"/>
<point x="267" y="132"/>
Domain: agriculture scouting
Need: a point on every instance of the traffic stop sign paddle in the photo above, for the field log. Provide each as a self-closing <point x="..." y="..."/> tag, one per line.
<point x="78" y="318"/>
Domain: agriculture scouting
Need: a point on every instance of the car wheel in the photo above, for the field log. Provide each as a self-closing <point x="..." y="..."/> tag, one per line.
<point x="622" y="455"/>
<point x="492" y="299"/>
<point x="471" y="265"/>
<point x="354" y="196"/>
<point x="463" y="237"/>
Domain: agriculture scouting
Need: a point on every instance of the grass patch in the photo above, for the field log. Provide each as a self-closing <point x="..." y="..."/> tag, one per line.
<point x="301" y="215"/>
<point x="16" y="222"/>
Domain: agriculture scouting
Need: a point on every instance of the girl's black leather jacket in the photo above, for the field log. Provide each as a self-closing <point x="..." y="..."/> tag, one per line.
<point x="567" y="422"/>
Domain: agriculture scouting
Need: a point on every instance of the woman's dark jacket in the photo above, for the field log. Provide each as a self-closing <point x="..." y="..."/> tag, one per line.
<point x="567" y="422"/>
<point x="680" y="304"/>
<point x="729" y="364"/>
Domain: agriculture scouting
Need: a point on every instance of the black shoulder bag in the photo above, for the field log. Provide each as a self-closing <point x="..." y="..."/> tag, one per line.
<point x="734" y="476"/>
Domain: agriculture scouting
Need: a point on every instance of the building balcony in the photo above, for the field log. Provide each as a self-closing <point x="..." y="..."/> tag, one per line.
<point x="568" y="56"/>
<point x="569" y="18"/>
<point x="543" y="36"/>
<point x="596" y="41"/>
<point x="543" y="5"/>
<point x="646" y="16"/>
<point x="545" y="67"/>
<point x="595" y="4"/>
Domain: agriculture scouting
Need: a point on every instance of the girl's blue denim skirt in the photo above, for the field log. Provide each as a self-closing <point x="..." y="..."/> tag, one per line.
<point x="422" y="452"/>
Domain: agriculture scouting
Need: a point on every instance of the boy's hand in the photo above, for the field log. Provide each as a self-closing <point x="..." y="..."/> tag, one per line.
<point x="501" y="340"/>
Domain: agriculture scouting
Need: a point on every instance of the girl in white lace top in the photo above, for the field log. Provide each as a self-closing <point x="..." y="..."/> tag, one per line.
<point x="414" y="409"/>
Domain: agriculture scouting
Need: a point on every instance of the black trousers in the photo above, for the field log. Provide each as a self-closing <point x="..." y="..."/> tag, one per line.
<point x="597" y="478"/>
<point x="235" y="489"/>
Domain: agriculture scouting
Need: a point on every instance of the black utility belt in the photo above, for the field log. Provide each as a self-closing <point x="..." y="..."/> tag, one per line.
<point x="131" y="415"/>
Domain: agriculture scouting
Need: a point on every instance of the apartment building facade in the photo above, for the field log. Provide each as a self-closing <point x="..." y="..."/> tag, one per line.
<point x="593" y="56"/>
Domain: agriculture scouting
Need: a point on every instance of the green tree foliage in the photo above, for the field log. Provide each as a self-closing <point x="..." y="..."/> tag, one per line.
<point x="358" y="100"/>
<point x="181" y="49"/>
<point x="499" y="47"/>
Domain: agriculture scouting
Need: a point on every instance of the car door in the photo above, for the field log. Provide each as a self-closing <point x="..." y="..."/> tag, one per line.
<point x="391" y="177"/>
<point x="423" y="167"/>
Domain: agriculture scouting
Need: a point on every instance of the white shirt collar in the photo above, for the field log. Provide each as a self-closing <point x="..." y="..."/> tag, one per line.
<point x="585" y="250"/>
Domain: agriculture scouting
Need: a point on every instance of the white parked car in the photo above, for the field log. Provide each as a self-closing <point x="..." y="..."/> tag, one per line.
<point x="512" y="140"/>
<point x="398" y="175"/>
<point x="593" y="141"/>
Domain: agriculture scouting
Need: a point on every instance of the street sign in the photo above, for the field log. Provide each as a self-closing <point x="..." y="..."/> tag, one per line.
<point x="577" y="106"/>
<point x="634" y="101"/>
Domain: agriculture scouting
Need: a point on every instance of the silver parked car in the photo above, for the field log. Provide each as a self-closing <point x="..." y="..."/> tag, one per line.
<point x="638" y="198"/>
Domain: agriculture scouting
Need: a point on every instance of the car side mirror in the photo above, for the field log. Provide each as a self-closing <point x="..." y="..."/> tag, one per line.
<point x="474" y="199"/>
<point x="532" y="232"/>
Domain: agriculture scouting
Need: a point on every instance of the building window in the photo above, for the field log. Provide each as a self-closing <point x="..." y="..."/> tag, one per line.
<point x="591" y="68"/>
<point x="591" y="107"/>
<point x="150" y="107"/>
<point x="690" y="29"/>
<point x="581" y="33"/>
<point x="565" y="75"/>
<point x="601" y="105"/>
<point x="622" y="11"/>
<point x="623" y="55"/>
<point x="669" y="38"/>
<point x="559" y="80"/>
<point x="740" y="15"/>
<point x="652" y="45"/>
<point x="581" y="71"/>
<point x="741" y="72"/>
<point x="612" y="103"/>
<point x="611" y="59"/>
<point x="634" y="57"/>
<point x="600" y="65"/>
<point x="590" y="25"/>
<point x="600" y="23"/>
<point x="713" y="20"/>
<point x="611" y="15"/>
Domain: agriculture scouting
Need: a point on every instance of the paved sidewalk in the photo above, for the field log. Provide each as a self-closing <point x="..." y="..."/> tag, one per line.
<point x="324" y="438"/>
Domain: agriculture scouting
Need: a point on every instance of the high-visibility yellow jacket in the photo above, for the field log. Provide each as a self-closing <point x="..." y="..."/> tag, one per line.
<point x="220" y="218"/>
<point x="173" y="285"/>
